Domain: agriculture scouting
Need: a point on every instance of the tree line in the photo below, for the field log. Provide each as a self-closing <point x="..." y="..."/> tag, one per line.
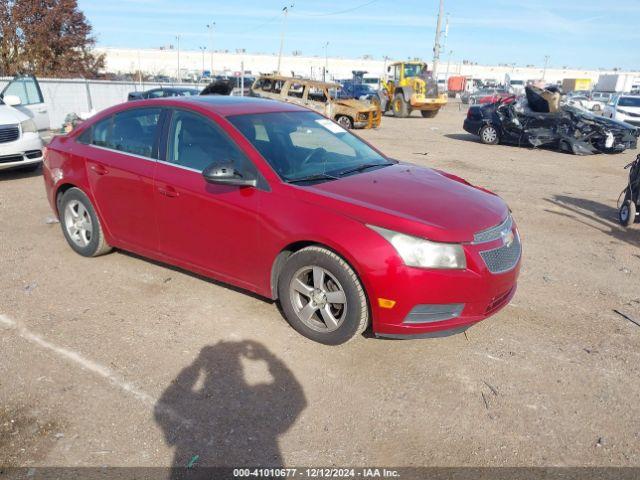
<point x="46" y="38"/>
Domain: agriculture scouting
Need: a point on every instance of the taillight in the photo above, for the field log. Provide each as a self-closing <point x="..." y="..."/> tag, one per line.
<point x="45" y="158"/>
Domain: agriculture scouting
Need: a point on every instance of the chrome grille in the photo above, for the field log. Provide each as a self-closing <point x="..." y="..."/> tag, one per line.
<point x="9" y="133"/>
<point x="493" y="233"/>
<point x="504" y="258"/>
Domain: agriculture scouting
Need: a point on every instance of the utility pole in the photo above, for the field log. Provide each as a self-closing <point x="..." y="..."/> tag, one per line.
<point x="285" y="10"/>
<point x="326" y="62"/>
<point x="210" y="27"/>
<point x="546" y="62"/>
<point x="436" y="45"/>
<point x="179" y="75"/>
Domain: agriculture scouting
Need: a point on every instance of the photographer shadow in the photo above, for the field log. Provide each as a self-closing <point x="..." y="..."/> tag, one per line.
<point x="214" y="416"/>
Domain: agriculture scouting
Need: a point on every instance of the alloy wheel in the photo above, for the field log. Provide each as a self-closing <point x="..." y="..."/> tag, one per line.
<point x="318" y="299"/>
<point x="78" y="223"/>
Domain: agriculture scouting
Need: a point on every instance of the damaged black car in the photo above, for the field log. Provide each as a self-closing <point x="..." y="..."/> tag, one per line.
<point x="539" y="121"/>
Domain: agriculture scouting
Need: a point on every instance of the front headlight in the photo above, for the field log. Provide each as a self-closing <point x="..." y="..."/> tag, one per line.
<point x="418" y="252"/>
<point x="28" y="126"/>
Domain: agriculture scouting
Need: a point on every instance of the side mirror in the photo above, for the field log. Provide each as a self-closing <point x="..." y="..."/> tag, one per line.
<point x="226" y="174"/>
<point x="12" y="100"/>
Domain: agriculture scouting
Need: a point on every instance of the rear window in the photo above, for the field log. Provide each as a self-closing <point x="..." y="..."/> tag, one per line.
<point x="132" y="131"/>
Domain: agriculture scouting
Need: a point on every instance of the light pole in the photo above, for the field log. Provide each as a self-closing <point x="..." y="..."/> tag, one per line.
<point x="326" y="61"/>
<point x="448" y="64"/>
<point x="546" y="62"/>
<point x="210" y="27"/>
<point x="285" y="10"/>
<point x="202" y="49"/>
<point x="179" y="76"/>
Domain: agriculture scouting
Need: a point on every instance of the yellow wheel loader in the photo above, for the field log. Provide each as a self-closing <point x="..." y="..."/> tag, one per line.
<point x="410" y="87"/>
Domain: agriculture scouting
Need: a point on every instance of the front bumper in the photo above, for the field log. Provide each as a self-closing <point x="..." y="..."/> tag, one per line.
<point x="22" y="152"/>
<point x="473" y="294"/>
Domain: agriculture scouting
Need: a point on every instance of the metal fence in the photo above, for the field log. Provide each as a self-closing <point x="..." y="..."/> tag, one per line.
<point x="64" y="96"/>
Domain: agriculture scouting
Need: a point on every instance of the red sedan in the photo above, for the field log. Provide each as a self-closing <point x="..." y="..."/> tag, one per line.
<point x="278" y="200"/>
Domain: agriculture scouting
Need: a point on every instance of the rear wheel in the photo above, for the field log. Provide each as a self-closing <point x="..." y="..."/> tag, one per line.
<point x="322" y="297"/>
<point x="400" y="106"/>
<point x="489" y="135"/>
<point x="627" y="213"/>
<point x="80" y="224"/>
<point x="428" y="113"/>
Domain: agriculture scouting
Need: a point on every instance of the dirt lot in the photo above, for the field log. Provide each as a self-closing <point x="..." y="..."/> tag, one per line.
<point x="121" y="361"/>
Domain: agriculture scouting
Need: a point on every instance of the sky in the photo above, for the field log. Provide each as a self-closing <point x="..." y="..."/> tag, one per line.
<point x="585" y="34"/>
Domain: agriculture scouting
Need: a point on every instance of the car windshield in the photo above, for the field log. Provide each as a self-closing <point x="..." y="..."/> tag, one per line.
<point x="307" y="147"/>
<point x="629" y="102"/>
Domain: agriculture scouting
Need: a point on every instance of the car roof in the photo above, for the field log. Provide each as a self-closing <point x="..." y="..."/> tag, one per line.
<point x="227" y="105"/>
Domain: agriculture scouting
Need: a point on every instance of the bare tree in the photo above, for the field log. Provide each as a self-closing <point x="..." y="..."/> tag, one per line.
<point x="47" y="38"/>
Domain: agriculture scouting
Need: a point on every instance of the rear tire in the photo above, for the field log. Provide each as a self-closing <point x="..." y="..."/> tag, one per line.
<point x="428" y="113"/>
<point x="627" y="213"/>
<point x="489" y="135"/>
<point x="80" y="224"/>
<point x="310" y="279"/>
<point x="400" y="107"/>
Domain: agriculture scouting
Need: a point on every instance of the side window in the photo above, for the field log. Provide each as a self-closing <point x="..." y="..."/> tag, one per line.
<point x="156" y="93"/>
<point x="295" y="90"/>
<point x="196" y="142"/>
<point x="317" y="94"/>
<point x="26" y="89"/>
<point x="134" y="131"/>
<point x="101" y="132"/>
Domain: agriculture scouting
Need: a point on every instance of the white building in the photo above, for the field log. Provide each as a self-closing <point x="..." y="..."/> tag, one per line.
<point x="166" y="61"/>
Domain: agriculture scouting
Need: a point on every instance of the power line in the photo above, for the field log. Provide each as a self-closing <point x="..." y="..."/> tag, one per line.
<point x="366" y="4"/>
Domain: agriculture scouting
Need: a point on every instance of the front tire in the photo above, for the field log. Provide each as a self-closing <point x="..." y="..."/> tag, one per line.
<point x="627" y="213"/>
<point x="489" y="135"/>
<point x="400" y="107"/>
<point x="80" y="224"/>
<point x="345" y="122"/>
<point x="428" y="113"/>
<point x="322" y="297"/>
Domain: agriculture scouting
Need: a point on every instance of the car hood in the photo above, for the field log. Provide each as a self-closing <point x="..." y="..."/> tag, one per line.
<point x="415" y="200"/>
<point x="355" y="104"/>
<point x="10" y="115"/>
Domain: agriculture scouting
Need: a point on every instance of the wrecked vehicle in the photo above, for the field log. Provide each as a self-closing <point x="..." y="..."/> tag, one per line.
<point x="630" y="206"/>
<point x="319" y="96"/>
<point x="565" y="128"/>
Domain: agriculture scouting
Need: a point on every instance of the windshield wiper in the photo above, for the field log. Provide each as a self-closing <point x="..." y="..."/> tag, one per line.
<point x="362" y="168"/>
<point x="314" y="177"/>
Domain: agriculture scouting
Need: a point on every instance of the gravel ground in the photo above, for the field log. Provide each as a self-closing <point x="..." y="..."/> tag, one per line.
<point x="122" y="361"/>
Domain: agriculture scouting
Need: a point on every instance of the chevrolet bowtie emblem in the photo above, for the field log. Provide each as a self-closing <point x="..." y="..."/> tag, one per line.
<point x="507" y="237"/>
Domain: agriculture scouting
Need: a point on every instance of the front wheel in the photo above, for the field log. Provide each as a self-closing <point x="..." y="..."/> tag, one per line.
<point x="627" y="213"/>
<point x="322" y="297"/>
<point x="489" y="135"/>
<point x="344" y="122"/>
<point x="80" y="224"/>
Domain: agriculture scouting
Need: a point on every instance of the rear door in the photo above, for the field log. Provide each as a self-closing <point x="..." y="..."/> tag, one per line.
<point x="120" y="156"/>
<point x="27" y="89"/>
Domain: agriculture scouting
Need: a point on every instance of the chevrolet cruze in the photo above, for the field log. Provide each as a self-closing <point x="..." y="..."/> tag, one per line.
<point x="278" y="200"/>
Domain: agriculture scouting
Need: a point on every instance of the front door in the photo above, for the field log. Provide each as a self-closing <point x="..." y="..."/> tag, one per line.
<point x="202" y="226"/>
<point x="32" y="103"/>
<point x="121" y="157"/>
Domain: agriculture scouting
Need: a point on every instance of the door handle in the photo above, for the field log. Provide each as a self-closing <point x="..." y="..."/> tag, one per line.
<point x="99" y="169"/>
<point x="168" y="191"/>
